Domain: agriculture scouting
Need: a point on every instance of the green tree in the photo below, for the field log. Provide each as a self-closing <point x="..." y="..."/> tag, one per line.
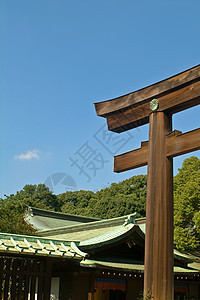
<point x="116" y="200"/>
<point x="75" y="202"/>
<point x="12" y="208"/>
<point x="187" y="205"/>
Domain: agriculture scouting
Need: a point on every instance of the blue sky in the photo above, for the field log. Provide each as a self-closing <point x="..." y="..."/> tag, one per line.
<point x="58" y="58"/>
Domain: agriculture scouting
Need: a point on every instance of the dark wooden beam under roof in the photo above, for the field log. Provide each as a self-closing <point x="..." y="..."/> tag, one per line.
<point x="175" y="94"/>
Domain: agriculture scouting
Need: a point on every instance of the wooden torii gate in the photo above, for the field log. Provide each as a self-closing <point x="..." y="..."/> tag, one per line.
<point x="156" y="104"/>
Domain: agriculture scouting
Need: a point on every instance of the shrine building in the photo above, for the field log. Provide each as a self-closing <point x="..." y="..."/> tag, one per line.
<point x="80" y="258"/>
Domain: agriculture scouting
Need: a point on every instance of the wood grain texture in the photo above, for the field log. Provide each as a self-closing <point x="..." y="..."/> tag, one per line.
<point x="143" y="95"/>
<point x="27" y="279"/>
<point x="41" y="281"/>
<point x="174" y="102"/>
<point x="7" y="279"/>
<point x="132" y="159"/>
<point x="14" y="281"/>
<point x="158" y="275"/>
<point x="176" y="144"/>
<point x="33" y="281"/>
<point x="179" y="144"/>
<point x="47" y="280"/>
<point x="1" y="275"/>
<point x="21" y="280"/>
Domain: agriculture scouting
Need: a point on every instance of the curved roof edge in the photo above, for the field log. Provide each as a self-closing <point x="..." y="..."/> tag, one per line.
<point x="33" y="211"/>
<point x="130" y="267"/>
<point x="112" y="237"/>
<point x="92" y="225"/>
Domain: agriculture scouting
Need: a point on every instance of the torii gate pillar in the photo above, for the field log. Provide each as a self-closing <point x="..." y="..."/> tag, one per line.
<point x="159" y="212"/>
<point x="156" y="104"/>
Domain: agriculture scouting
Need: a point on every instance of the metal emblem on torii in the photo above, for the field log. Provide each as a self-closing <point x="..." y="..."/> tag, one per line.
<point x="156" y="104"/>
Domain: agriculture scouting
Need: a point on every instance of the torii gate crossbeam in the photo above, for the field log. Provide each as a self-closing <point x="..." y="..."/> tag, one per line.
<point x="172" y="95"/>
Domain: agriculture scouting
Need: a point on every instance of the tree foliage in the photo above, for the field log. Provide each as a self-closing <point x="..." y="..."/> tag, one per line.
<point x="187" y="205"/>
<point x="12" y="207"/>
<point x="116" y="200"/>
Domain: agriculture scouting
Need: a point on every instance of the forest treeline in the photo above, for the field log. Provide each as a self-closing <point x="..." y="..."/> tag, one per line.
<point x="116" y="200"/>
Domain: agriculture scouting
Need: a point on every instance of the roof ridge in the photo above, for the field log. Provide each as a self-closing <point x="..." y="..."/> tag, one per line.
<point x="60" y="215"/>
<point x="100" y="224"/>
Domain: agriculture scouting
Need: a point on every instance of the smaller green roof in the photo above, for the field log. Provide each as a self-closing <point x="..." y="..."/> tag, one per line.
<point x="129" y="267"/>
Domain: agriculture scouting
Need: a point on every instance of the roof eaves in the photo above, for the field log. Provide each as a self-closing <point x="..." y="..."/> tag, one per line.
<point x="112" y="237"/>
<point x="30" y="245"/>
<point x="130" y="267"/>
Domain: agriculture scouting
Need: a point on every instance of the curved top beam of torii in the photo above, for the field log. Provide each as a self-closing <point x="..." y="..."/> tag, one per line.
<point x="175" y="94"/>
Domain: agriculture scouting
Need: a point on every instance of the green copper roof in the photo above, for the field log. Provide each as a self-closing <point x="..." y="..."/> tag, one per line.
<point x="132" y="267"/>
<point x="42" y="219"/>
<point x="194" y="265"/>
<point x="26" y="245"/>
<point x="115" y="234"/>
<point x="110" y="235"/>
<point x="86" y="231"/>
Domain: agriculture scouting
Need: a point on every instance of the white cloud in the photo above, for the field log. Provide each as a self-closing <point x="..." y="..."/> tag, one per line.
<point x="28" y="155"/>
